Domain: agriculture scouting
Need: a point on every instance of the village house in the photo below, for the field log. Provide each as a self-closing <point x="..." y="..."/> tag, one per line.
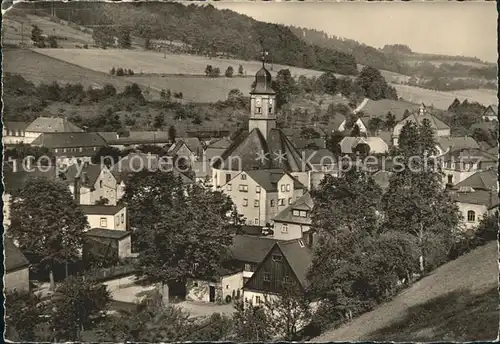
<point x="224" y="288"/>
<point x="71" y="148"/>
<point x="360" y="122"/>
<point x="453" y="143"/>
<point x="475" y="196"/>
<point x="13" y="133"/>
<point x="491" y="113"/>
<point x="181" y="150"/>
<point x="322" y="162"/>
<point x="262" y="146"/>
<point x="259" y="195"/>
<point x="460" y="164"/>
<point x="112" y="217"/>
<point x="106" y="245"/>
<point x="48" y="125"/>
<point x="294" y="222"/>
<point x="17" y="272"/>
<point x="440" y="128"/>
<point x="94" y="183"/>
<point x="285" y="266"/>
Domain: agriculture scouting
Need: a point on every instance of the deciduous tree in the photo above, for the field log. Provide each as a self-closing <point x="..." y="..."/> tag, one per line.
<point x="47" y="223"/>
<point x="251" y="323"/>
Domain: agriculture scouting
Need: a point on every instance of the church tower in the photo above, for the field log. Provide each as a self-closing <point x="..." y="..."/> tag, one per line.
<point x="262" y="102"/>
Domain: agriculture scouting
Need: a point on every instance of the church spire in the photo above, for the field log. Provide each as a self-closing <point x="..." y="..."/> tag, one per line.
<point x="263" y="57"/>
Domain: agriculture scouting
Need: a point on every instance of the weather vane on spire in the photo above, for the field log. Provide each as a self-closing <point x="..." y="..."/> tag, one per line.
<point x="264" y="54"/>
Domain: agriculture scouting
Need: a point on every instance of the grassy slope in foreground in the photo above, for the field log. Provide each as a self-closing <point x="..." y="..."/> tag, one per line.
<point x="456" y="302"/>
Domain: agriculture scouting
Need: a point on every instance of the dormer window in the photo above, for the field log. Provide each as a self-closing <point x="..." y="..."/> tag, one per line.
<point x="296" y="213"/>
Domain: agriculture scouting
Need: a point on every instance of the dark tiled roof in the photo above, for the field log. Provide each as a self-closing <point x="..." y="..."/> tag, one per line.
<point x="220" y="144"/>
<point x="193" y="143"/>
<point x="52" y="125"/>
<point x="380" y="108"/>
<point x="107" y="233"/>
<point x="14" y="258"/>
<point x="69" y="140"/>
<point x="100" y="209"/>
<point x="251" y="249"/>
<point x="301" y="143"/>
<point x="15" y="126"/>
<point x="482" y="180"/>
<point x="457" y="142"/>
<point x="14" y="181"/>
<point x="299" y="258"/>
<point x="480" y="197"/>
<point x="245" y="153"/>
<point x="419" y="116"/>
<point x="88" y="174"/>
<point x="386" y="136"/>
<point x="268" y="179"/>
<point x="303" y="203"/>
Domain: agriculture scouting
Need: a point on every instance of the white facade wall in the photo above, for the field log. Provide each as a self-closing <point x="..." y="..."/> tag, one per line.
<point x="293" y="230"/>
<point x="478" y="209"/>
<point x="109" y="221"/>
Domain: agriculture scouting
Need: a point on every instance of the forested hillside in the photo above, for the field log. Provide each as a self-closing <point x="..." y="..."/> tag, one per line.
<point x="206" y="30"/>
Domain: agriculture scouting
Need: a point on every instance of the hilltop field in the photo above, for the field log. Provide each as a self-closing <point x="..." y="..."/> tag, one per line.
<point x="457" y="302"/>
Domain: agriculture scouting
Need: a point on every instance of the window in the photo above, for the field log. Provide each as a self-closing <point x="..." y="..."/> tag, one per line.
<point x="229" y="187"/>
<point x="284" y="228"/>
<point x="256" y="203"/>
<point x="290" y="200"/>
<point x="270" y="110"/>
<point x="273" y="203"/>
<point x="258" y="109"/>
<point x="195" y="284"/>
<point x="64" y="150"/>
<point x="282" y="201"/>
<point x="249" y="267"/>
<point x="471" y="216"/>
<point x="243" y="188"/>
<point x="286" y="279"/>
<point x="243" y="177"/>
<point x="277" y="258"/>
<point x="282" y="187"/>
<point x="256" y="221"/>
<point x="303" y="214"/>
<point x="104" y="222"/>
<point x="228" y="177"/>
<point x="227" y="286"/>
<point x="81" y="149"/>
<point x="267" y="277"/>
<point x="287" y="187"/>
<point x="257" y="300"/>
<point x="257" y="189"/>
<point x="245" y="202"/>
<point x="450" y="179"/>
<point x="296" y="213"/>
<point x="301" y="243"/>
<point x="123" y="218"/>
<point x="100" y="183"/>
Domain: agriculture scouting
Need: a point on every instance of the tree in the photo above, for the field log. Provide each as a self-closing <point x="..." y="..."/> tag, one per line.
<point x="328" y="83"/>
<point x="159" y="121"/>
<point x="284" y="86"/>
<point x="288" y="312"/>
<point x="173" y="244"/>
<point x="251" y="323"/>
<point x="390" y="121"/>
<point x="374" y="84"/>
<point x="120" y="72"/>
<point x="375" y="124"/>
<point x="47" y="223"/>
<point x="79" y="303"/>
<point x="172" y="133"/>
<point x="23" y="314"/>
<point x="415" y="202"/>
<point x="124" y="40"/>
<point x="52" y="42"/>
<point x="240" y="70"/>
<point x="112" y="71"/>
<point x="209" y="70"/>
<point x="37" y="37"/>
<point x="215" y="72"/>
<point x="333" y="143"/>
<point x="229" y="72"/>
<point x="103" y="36"/>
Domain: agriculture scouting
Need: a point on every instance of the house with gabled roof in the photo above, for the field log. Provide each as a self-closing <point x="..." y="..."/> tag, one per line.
<point x="259" y="195"/>
<point x="17" y="274"/>
<point x="215" y="149"/>
<point x="491" y="113"/>
<point x="475" y="196"/>
<point x="285" y="265"/>
<point x="374" y="145"/>
<point x="70" y="148"/>
<point x="460" y="164"/>
<point x="113" y="217"/>
<point x="440" y="129"/>
<point x="49" y="125"/>
<point x="13" y="132"/>
<point x="263" y="146"/>
<point x="294" y="222"/>
<point x="452" y="143"/>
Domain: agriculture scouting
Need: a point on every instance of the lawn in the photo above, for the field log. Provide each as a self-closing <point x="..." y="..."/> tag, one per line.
<point x="457" y="302"/>
<point x="151" y="62"/>
<point x="39" y="68"/>
<point x="441" y="99"/>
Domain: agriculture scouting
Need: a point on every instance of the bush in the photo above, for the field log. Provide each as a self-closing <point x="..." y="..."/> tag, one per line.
<point x="85" y="46"/>
<point x="120" y="72"/>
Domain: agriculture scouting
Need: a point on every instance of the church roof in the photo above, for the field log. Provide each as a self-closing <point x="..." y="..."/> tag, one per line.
<point x="250" y="150"/>
<point x="263" y="82"/>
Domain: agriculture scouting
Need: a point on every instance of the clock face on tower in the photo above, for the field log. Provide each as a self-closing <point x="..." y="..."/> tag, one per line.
<point x="257" y="102"/>
<point x="270" y="101"/>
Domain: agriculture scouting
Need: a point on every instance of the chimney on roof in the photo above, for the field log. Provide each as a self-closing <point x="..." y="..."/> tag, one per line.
<point x="84" y="178"/>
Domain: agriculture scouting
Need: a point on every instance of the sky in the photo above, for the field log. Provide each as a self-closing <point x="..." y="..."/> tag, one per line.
<point x="451" y="28"/>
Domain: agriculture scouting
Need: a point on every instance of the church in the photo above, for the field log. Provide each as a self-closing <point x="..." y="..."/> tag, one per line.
<point x="262" y="155"/>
